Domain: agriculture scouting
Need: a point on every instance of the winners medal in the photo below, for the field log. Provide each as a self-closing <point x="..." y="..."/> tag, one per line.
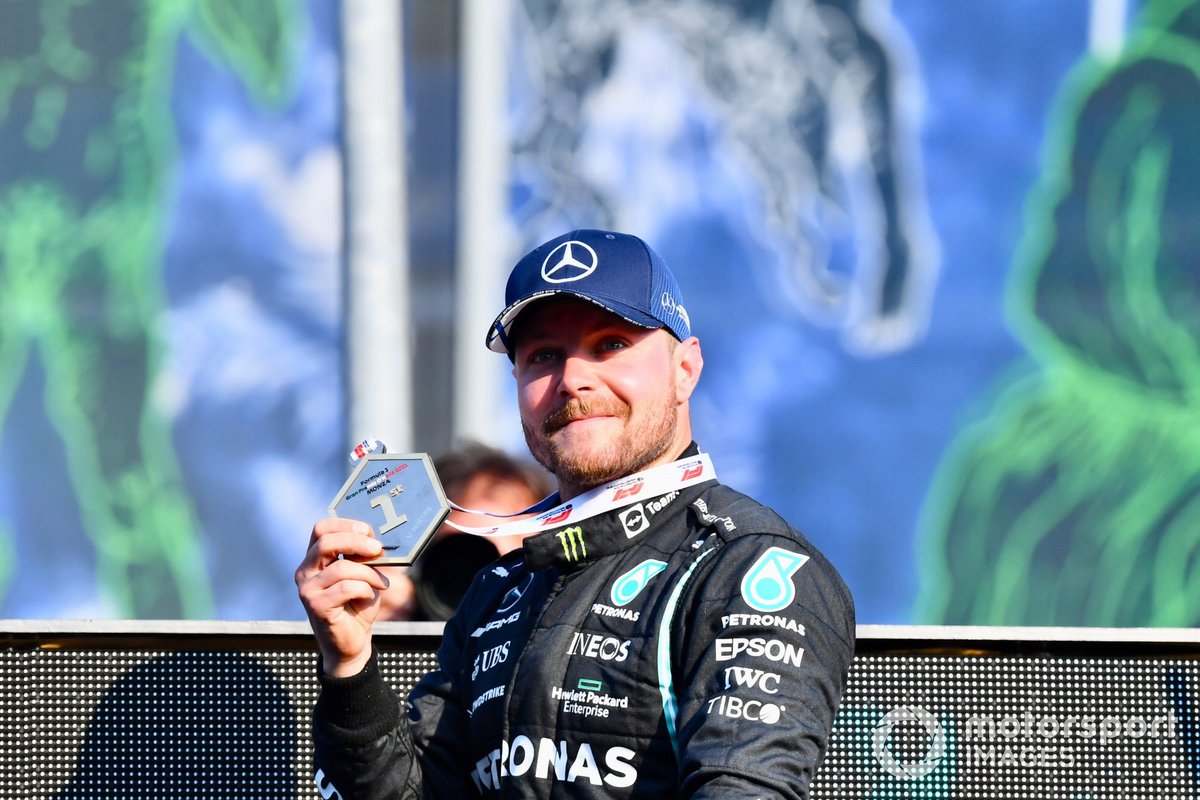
<point x="399" y="495"/>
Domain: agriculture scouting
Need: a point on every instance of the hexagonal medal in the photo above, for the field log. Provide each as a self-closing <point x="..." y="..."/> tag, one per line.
<point x="400" y="496"/>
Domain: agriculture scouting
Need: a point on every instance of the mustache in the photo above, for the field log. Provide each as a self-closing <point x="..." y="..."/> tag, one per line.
<point x="575" y="409"/>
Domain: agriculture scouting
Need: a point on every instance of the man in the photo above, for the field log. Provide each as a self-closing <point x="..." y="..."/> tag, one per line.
<point x="663" y="636"/>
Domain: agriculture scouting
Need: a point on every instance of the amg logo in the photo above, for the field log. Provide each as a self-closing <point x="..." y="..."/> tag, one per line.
<point x="494" y="624"/>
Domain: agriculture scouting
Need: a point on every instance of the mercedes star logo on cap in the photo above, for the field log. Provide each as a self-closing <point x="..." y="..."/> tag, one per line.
<point x="569" y="267"/>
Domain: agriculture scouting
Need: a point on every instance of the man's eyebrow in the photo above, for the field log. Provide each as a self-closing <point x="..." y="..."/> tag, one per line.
<point x="533" y="332"/>
<point x="542" y="330"/>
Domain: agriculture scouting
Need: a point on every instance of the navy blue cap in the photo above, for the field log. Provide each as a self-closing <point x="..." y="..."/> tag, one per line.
<point x="616" y="271"/>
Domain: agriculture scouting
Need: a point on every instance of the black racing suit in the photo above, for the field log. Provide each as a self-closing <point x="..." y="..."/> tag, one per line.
<point x="691" y="645"/>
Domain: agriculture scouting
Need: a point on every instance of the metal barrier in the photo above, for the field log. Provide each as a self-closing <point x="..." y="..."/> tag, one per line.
<point x="187" y="709"/>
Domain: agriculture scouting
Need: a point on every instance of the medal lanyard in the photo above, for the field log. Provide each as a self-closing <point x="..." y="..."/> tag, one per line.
<point x="645" y="485"/>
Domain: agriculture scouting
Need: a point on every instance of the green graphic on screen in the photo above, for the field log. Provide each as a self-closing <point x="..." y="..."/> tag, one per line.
<point x="88" y="149"/>
<point x="1076" y="499"/>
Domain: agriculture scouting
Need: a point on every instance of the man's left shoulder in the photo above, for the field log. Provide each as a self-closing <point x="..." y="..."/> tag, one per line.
<point x="733" y="515"/>
<point x="761" y="546"/>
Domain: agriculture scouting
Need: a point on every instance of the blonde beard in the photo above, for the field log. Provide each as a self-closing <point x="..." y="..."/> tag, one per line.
<point x="577" y="473"/>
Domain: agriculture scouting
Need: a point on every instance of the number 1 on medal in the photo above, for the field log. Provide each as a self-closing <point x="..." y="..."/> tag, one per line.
<point x="394" y="520"/>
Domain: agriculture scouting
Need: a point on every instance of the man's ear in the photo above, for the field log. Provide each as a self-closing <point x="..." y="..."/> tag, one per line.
<point x="688" y="362"/>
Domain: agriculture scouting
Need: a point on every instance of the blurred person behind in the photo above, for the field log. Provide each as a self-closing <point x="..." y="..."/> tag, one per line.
<point x="476" y="477"/>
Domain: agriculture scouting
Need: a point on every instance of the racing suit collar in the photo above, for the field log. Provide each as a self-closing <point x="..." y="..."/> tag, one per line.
<point x="574" y="546"/>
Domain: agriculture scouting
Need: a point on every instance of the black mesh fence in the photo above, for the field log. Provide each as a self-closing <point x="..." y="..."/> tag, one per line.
<point x="120" y="715"/>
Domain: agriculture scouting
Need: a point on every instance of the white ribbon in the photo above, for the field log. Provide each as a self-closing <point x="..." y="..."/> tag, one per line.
<point x="645" y="485"/>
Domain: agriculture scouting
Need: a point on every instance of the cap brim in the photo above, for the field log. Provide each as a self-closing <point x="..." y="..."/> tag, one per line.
<point x="498" y="336"/>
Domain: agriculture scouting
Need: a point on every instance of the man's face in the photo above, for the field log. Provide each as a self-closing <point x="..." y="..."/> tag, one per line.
<point x="600" y="398"/>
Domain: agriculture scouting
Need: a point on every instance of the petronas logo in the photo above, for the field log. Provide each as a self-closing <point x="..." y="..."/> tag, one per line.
<point x="630" y="585"/>
<point x="573" y="545"/>
<point x="768" y="585"/>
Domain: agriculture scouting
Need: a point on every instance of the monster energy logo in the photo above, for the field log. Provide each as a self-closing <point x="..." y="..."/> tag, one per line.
<point x="573" y="544"/>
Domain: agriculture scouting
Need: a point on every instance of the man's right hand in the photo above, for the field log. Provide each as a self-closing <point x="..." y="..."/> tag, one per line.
<point x="341" y="595"/>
